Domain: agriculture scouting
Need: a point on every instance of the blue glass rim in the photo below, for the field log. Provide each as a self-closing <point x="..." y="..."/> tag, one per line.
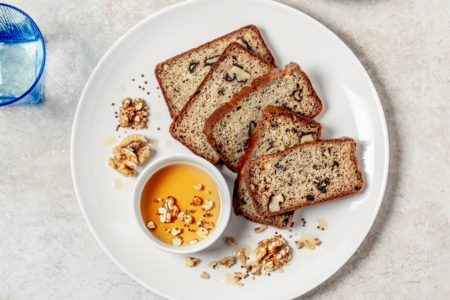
<point x="44" y="56"/>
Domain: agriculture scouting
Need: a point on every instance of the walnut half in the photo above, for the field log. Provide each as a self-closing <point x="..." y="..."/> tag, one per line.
<point x="132" y="151"/>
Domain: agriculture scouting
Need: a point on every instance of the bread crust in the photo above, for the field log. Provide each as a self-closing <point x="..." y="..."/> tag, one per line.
<point x="192" y="99"/>
<point x="158" y="69"/>
<point x="256" y="84"/>
<point x="360" y="180"/>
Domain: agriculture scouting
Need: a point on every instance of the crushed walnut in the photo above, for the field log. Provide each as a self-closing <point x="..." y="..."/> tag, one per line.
<point x="204" y="275"/>
<point x="177" y="241"/>
<point x="208" y="205"/>
<point x="196" y="201"/>
<point x="132" y="151"/>
<point x="133" y="113"/>
<point x="260" y="229"/>
<point x="229" y="240"/>
<point x="270" y="255"/>
<point x="190" y="261"/>
<point x="202" y="232"/>
<point x="199" y="187"/>
<point x="227" y="261"/>
<point x="241" y="254"/>
<point x="151" y="225"/>
<point x="236" y="278"/>
<point x="213" y="264"/>
<point x="309" y="243"/>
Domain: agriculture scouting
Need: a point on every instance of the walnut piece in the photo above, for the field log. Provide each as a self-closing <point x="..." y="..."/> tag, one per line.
<point x="270" y="255"/>
<point x="241" y="254"/>
<point x="308" y="243"/>
<point x="133" y="113"/>
<point x="170" y="205"/>
<point x="151" y="225"/>
<point x="208" y="205"/>
<point x="202" y="232"/>
<point x="275" y="203"/>
<point x="204" y="275"/>
<point x="236" y="72"/>
<point x="260" y="229"/>
<point x="306" y="138"/>
<point x="132" y="151"/>
<point x="190" y="261"/>
<point x="227" y="261"/>
<point x="177" y="241"/>
<point x="237" y="277"/>
<point x="211" y="60"/>
<point x="229" y="240"/>
<point x="213" y="264"/>
<point x="196" y="201"/>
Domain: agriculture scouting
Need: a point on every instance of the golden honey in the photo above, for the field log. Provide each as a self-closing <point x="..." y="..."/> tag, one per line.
<point x="184" y="184"/>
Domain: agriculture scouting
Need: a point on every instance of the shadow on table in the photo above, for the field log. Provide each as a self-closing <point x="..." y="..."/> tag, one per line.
<point x="394" y="165"/>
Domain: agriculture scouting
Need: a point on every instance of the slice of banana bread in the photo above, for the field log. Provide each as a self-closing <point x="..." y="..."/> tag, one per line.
<point x="180" y="75"/>
<point x="230" y="126"/>
<point x="236" y="67"/>
<point x="278" y="129"/>
<point x="304" y="175"/>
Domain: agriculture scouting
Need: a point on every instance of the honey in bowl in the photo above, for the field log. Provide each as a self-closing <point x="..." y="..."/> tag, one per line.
<point x="180" y="204"/>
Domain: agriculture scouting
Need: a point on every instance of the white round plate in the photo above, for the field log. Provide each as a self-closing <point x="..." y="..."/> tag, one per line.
<point x="352" y="108"/>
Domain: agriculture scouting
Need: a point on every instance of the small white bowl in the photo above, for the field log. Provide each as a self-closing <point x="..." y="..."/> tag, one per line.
<point x="225" y="197"/>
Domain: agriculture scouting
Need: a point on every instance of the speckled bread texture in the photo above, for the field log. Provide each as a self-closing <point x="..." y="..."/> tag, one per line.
<point x="236" y="67"/>
<point x="304" y="175"/>
<point x="279" y="129"/>
<point x="229" y="127"/>
<point x="180" y="75"/>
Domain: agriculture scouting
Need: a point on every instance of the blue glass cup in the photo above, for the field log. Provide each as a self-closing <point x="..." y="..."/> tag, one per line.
<point x="22" y="57"/>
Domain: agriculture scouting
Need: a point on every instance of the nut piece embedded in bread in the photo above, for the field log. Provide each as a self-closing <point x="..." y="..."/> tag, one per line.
<point x="279" y="129"/>
<point x="230" y="126"/>
<point x="180" y="75"/>
<point x="214" y="91"/>
<point x="304" y="175"/>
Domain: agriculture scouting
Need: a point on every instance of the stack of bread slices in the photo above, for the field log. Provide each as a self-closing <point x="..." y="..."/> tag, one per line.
<point x="229" y="102"/>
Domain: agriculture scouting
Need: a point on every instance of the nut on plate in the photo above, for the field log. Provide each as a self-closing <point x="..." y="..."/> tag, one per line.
<point x="204" y="275"/>
<point x="133" y="113"/>
<point x="260" y="229"/>
<point x="213" y="264"/>
<point x="308" y="243"/>
<point x="227" y="261"/>
<point x="270" y="255"/>
<point x="242" y="256"/>
<point x="237" y="277"/>
<point x="132" y="151"/>
<point x="229" y="240"/>
<point x="190" y="261"/>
